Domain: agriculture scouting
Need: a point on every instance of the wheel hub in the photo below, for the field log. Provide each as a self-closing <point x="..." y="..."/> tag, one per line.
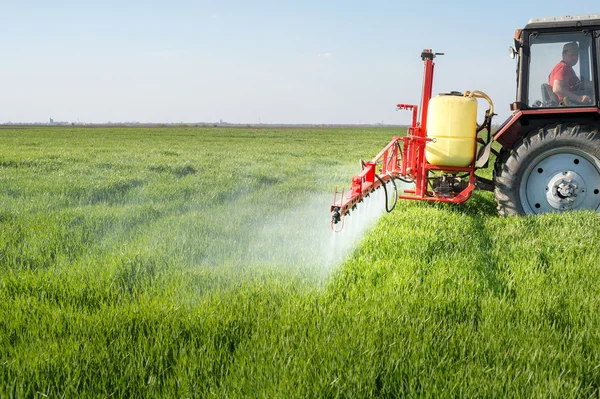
<point x="560" y="180"/>
<point x="565" y="190"/>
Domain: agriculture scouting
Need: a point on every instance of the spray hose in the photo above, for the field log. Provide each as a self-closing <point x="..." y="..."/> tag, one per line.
<point x="400" y="159"/>
<point x="489" y="114"/>
<point x="480" y="94"/>
<point x="395" y="194"/>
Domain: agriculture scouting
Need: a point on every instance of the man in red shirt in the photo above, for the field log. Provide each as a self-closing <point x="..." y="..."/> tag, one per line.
<point x="563" y="80"/>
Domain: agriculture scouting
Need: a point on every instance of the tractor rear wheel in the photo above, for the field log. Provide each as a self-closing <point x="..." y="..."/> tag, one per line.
<point x="553" y="169"/>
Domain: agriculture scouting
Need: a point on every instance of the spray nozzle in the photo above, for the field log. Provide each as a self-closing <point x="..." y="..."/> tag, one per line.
<point x="335" y="216"/>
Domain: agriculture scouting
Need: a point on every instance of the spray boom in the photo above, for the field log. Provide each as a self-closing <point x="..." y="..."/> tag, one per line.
<point x="375" y="174"/>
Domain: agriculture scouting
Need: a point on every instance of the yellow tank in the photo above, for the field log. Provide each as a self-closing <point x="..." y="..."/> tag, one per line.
<point x="452" y="123"/>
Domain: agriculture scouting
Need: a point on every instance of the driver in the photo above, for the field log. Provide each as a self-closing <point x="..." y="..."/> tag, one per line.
<point x="563" y="80"/>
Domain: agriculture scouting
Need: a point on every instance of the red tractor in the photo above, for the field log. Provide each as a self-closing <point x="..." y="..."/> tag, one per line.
<point x="549" y="148"/>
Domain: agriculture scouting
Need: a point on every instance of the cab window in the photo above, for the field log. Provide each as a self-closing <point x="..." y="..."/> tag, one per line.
<point x="560" y="70"/>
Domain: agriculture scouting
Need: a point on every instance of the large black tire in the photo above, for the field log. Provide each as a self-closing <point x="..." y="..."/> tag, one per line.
<point x="553" y="169"/>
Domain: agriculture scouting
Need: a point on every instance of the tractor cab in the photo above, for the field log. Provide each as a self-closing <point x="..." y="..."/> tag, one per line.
<point x="558" y="62"/>
<point x="558" y="75"/>
<point x="550" y="156"/>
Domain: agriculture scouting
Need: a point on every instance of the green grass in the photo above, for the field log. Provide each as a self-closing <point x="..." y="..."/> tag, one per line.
<point x="192" y="263"/>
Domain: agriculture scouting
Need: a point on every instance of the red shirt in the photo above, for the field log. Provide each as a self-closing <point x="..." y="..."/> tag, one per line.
<point x="565" y="73"/>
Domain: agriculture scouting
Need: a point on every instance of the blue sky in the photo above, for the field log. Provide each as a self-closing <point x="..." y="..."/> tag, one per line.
<point x="245" y="62"/>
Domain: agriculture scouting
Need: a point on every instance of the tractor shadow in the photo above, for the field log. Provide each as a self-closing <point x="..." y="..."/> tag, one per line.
<point x="474" y="212"/>
<point x="480" y="204"/>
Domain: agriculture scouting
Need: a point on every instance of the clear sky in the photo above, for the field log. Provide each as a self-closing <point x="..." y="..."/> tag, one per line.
<point x="252" y="61"/>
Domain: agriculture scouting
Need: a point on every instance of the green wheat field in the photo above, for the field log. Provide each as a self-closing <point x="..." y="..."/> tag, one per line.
<point x="198" y="262"/>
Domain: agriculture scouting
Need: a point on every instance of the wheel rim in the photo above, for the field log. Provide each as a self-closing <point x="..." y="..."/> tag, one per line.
<point x="559" y="180"/>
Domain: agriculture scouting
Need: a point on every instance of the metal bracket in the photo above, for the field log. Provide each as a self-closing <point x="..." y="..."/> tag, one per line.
<point x="483" y="156"/>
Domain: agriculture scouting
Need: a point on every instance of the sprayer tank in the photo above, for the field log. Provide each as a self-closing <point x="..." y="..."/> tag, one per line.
<point x="452" y="124"/>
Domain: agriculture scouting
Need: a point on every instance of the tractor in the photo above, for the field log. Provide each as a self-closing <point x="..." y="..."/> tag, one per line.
<point x="547" y="151"/>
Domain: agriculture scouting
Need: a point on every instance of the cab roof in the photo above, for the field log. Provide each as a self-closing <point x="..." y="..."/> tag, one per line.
<point x="564" y="21"/>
